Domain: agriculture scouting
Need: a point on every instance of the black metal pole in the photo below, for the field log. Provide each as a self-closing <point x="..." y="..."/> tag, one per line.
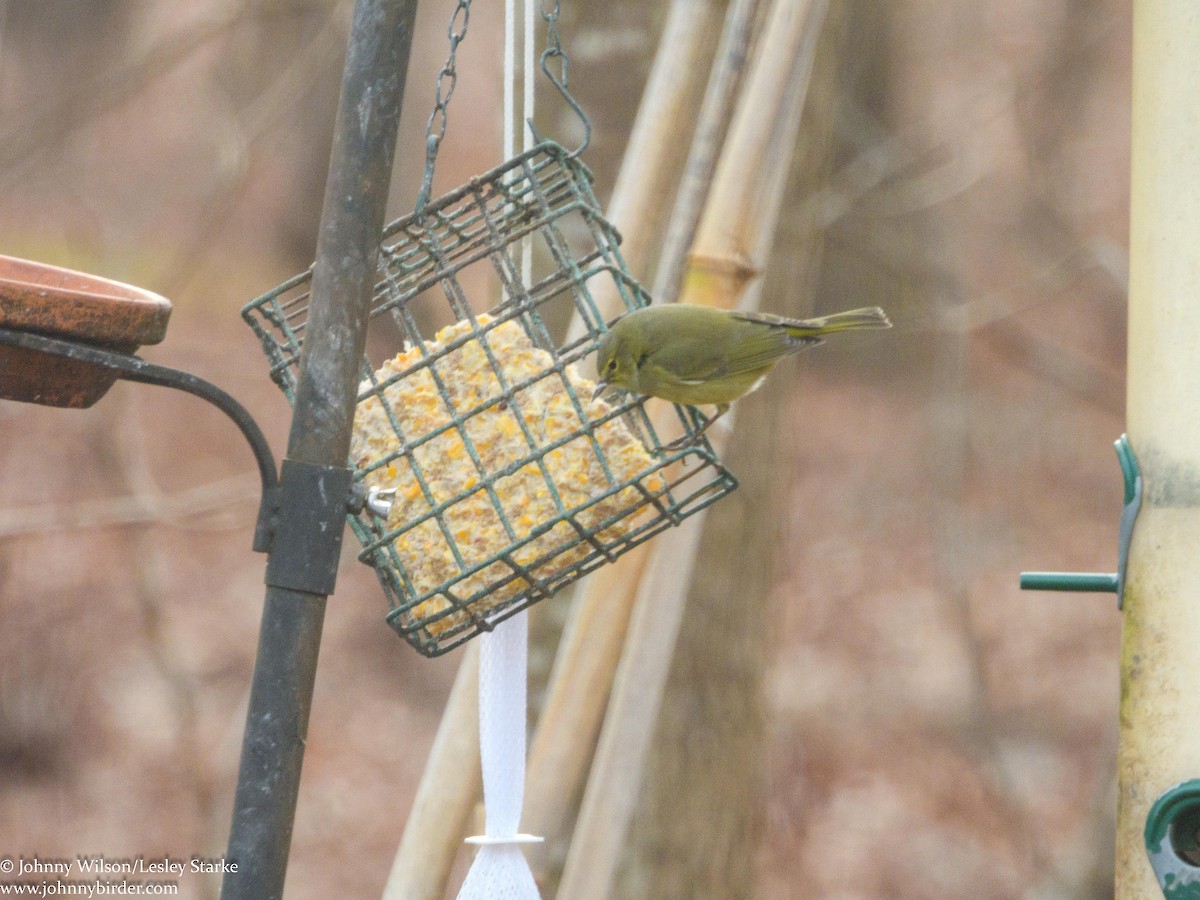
<point x="343" y="277"/>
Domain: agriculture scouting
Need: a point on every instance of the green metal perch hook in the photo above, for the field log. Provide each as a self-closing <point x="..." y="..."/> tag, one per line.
<point x="1101" y="582"/>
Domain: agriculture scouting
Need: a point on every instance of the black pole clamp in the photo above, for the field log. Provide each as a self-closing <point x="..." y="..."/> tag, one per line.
<point x="307" y="520"/>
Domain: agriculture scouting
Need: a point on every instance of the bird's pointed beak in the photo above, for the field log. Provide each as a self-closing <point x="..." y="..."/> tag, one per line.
<point x="601" y="387"/>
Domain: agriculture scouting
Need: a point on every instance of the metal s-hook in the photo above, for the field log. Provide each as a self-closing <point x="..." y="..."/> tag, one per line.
<point x="554" y="50"/>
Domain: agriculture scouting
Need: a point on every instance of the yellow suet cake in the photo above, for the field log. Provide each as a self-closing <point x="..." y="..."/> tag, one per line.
<point x="500" y="443"/>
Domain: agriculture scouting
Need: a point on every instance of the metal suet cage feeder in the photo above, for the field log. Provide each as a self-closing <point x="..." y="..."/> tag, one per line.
<point x="510" y="480"/>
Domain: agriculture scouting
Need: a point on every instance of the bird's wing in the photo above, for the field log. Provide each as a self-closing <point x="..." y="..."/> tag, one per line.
<point x="761" y="344"/>
<point x="754" y="349"/>
<point x="689" y="361"/>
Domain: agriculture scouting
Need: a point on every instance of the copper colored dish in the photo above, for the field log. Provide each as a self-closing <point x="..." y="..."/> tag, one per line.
<point x="61" y="303"/>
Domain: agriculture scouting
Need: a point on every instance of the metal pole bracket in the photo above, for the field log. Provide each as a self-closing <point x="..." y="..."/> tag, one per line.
<point x="309" y="517"/>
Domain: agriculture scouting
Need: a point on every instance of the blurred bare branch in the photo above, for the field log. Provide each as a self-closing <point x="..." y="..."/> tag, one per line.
<point x="46" y="126"/>
<point x="248" y="128"/>
<point x="153" y="582"/>
<point x="1086" y="379"/>
<point x="190" y="509"/>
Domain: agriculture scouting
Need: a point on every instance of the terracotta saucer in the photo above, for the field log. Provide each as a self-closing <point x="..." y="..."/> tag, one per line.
<point x="61" y="303"/>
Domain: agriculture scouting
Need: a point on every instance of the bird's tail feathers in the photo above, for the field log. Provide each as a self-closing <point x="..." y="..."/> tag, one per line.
<point x="850" y="320"/>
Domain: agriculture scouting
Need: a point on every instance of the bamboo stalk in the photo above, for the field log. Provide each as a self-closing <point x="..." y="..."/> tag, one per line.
<point x="567" y="732"/>
<point x="448" y="792"/>
<point x="738" y="226"/>
<point x="1159" y="742"/>
<point x="653" y="158"/>
<point x="620" y="756"/>
<point x="715" y="114"/>
<point x="748" y="185"/>
<point x="650" y="167"/>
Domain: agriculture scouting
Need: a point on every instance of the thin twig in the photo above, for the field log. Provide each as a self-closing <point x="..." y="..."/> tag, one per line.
<point x="151" y="507"/>
<point x="26" y="138"/>
<point x="150" y="567"/>
<point x="712" y="123"/>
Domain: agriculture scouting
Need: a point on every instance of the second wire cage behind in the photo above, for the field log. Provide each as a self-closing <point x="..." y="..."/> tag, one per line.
<point x="511" y="481"/>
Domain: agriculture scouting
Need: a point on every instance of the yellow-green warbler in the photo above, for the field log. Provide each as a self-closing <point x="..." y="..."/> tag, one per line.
<point x="699" y="355"/>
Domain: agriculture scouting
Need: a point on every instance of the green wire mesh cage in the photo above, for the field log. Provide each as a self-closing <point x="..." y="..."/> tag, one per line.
<point x="511" y="480"/>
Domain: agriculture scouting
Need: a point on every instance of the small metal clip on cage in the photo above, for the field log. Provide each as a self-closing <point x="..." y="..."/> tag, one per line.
<point x="508" y="480"/>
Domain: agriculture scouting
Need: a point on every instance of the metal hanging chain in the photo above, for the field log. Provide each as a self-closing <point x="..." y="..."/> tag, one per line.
<point x="447" y="78"/>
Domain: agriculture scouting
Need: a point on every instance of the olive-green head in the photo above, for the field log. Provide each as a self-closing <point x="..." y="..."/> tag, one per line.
<point x="621" y="351"/>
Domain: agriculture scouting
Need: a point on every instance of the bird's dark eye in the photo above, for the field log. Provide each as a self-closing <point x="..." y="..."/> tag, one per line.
<point x="612" y="365"/>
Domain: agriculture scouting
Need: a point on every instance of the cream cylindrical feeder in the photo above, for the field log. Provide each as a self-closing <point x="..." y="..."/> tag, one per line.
<point x="1160" y="646"/>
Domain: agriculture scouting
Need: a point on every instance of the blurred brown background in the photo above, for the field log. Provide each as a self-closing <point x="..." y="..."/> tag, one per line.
<point x="918" y="726"/>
